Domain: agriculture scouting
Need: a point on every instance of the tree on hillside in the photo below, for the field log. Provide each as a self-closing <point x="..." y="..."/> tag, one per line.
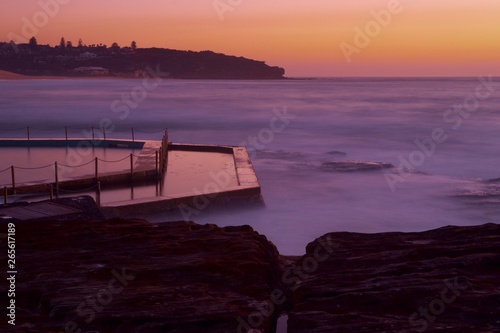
<point x="62" y="43"/>
<point x="80" y="43"/>
<point x="133" y="45"/>
<point x="33" y="41"/>
<point x="33" y="44"/>
<point x="115" y="48"/>
<point x="69" y="44"/>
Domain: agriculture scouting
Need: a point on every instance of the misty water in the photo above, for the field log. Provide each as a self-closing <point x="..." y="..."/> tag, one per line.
<point x="298" y="133"/>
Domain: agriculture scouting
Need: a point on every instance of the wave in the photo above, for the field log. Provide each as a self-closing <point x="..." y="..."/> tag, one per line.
<point x="481" y="193"/>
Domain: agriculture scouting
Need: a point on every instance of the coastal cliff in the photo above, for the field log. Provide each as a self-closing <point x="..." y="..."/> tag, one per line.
<point x="102" y="61"/>
<point x="128" y="275"/>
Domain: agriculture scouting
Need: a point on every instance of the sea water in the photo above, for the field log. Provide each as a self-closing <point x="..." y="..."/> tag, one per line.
<point x="441" y="135"/>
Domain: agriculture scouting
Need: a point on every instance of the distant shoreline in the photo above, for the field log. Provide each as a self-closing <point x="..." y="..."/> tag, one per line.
<point x="11" y="76"/>
<point x="6" y="75"/>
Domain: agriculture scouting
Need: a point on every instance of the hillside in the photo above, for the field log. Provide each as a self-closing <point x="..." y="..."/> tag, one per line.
<point x="127" y="62"/>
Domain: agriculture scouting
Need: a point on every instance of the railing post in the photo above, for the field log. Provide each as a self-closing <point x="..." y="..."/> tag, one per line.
<point x="5" y="195"/>
<point x="131" y="166"/>
<point x="97" y="169"/>
<point x="104" y="133"/>
<point x="98" y="194"/>
<point x="28" y="132"/>
<point x="165" y="148"/>
<point x="156" y="162"/>
<point x="13" y="173"/>
<point x="160" y="164"/>
<point x="93" y="135"/>
<point x="133" y="135"/>
<point x="66" y="132"/>
<point x="56" y="170"/>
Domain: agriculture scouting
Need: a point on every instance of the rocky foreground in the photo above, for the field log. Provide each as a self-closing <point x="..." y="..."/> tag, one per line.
<point x="132" y="276"/>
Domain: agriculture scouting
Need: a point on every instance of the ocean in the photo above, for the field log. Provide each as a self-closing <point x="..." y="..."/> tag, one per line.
<point x="320" y="147"/>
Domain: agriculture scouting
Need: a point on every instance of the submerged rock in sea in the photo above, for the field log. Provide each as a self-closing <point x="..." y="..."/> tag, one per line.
<point x="132" y="276"/>
<point x="337" y="153"/>
<point x="350" y="166"/>
<point x="443" y="280"/>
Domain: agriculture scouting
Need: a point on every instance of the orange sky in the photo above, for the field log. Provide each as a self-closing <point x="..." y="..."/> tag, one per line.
<point x="421" y="38"/>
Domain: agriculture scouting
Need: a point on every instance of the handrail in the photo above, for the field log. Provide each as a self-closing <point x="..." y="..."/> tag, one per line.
<point x="92" y="129"/>
<point x="161" y="158"/>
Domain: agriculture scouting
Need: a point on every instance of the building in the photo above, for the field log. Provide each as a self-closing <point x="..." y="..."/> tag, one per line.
<point x="92" y="70"/>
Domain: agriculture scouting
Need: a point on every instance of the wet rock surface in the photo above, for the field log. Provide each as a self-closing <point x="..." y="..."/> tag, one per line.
<point x="351" y="166"/>
<point x="131" y="276"/>
<point x="443" y="280"/>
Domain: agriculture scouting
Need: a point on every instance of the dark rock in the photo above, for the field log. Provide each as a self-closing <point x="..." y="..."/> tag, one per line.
<point x="443" y="280"/>
<point x="171" y="277"/>
<point x="337" y="153"/>
<point x="349" y="166"/>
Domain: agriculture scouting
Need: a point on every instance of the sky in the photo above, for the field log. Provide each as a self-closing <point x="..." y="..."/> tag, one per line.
<point x="308" y="38"/>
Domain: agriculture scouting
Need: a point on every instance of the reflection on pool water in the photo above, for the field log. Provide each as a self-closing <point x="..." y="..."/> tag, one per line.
<point x="202" y="172"/>
<point x="188" y="173"/>
<point x="36" y="164"/>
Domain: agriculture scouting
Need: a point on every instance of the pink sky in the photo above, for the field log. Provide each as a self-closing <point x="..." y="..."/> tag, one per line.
<point x="307" y="38"/>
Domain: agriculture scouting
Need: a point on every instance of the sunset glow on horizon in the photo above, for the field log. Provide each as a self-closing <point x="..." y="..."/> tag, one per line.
<point x="418" y="38"/>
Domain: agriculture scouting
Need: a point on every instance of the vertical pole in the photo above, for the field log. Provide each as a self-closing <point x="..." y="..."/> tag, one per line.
<point x="66" y="132"/>
<point x="28" y="132"/>
<point x="131" y="166"/>
<point x="51" y="192"/>
<point x="104" y="133"/>
<point x="165" y="151"/>
<point x="93" y="135"/>
<point x="97" y="169"/>
<point x="156" y="161"/>
<point x="56" y="169"/>
<point x="5" y="195"/>
<point x="160" y="163"/>
<point x="13" y="173"/>
<point x="98" y="194"/>
<point x="133" y="135"/>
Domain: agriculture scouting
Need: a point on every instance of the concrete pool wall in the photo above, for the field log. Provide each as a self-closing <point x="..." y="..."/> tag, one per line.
<point x="246" y="187"/>
<point x="145" y="168"/>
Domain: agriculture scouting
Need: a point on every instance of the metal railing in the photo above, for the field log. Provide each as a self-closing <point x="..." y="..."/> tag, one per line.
<point x="90" y="132"/>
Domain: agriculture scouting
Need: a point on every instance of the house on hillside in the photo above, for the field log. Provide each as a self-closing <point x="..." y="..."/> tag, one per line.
<point x="92" y="70"/>
<point x="88" y="55"/>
